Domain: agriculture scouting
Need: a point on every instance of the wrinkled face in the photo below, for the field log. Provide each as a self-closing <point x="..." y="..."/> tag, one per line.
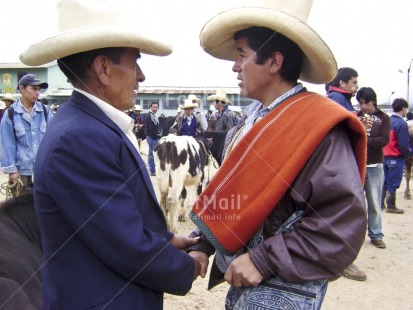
<point x="351" y="86"/>
<point x="366" y="107"/>
<point x="253" y="77"/>
<point x="30" y="93"/>
<point x="124" y="80"/>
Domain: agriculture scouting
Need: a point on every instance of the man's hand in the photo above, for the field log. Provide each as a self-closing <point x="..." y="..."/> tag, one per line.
<point x="13" y="177"/>
<point x="183" y="242"/>
<point x="203" y="261"/>
<point x="242" y="272"/>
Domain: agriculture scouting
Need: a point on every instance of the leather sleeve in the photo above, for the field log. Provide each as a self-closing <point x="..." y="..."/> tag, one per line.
<point x="333" y="227"/>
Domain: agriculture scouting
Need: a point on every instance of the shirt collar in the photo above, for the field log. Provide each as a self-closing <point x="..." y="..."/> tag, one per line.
<point x="118" y="117"/>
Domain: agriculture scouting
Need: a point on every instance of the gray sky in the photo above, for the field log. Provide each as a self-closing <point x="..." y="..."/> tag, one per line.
<point x="375" y="37"/>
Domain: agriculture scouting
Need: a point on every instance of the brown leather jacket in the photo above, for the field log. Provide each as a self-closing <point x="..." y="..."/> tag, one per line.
<point x="332" y="230"/>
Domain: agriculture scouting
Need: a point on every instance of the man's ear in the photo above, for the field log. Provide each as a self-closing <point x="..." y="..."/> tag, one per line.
<point x="101" y="66"/>
<point x="276" y="62"/>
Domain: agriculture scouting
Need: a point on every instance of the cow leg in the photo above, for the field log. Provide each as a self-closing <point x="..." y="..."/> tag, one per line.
<point x="182" y="211"/>
<point x="173" y="207"/>
<point x="407" y="175"/>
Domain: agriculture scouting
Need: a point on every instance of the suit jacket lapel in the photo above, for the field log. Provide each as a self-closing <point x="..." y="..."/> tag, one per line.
<point x="89" y="107"/>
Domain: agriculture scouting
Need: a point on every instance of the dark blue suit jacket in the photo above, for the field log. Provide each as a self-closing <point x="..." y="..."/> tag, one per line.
<point x="104" y="236"/>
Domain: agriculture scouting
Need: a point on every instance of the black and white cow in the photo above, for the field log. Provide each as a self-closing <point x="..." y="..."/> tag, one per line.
<point x="180" y="162"/>
<point x="20" y="255"/>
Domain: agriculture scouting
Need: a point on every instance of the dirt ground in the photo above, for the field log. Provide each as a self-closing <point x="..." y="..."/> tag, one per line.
<point x="389" y="271"/>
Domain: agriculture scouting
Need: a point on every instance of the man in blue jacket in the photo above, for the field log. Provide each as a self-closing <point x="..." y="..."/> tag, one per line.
<point x="104" y="237"/>
<point x="22" y="129"/>
<point x="344" y="87"/>
<point x="395" y="153"/>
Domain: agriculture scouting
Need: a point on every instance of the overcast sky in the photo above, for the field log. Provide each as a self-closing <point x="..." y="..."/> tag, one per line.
<point x="375" y="37"/>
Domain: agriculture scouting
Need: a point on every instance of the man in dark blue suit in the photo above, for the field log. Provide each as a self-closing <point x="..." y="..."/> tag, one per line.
<point x="105" y="242"/>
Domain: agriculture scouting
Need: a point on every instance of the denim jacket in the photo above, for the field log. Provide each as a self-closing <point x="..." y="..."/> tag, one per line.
<point x="20" y="144"/>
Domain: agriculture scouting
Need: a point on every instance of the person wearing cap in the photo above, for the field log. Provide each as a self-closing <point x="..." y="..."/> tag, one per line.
<point x="139" y="124"/>
<point x="22" y="132"/>
<point x="225" y="117"/>
<point x="193" y="121"/>
<point x="297" y="216"/>
<point x="104" y="237"/>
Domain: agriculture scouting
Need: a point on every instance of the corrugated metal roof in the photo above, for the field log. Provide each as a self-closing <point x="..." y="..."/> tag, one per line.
<point x="157" y="90"/>
<point x="19" y="65"/>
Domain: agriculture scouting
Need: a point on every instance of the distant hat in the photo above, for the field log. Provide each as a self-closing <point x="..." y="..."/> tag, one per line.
<point x="179" y="109"/>
<point x="221" y="95"/>
<point x="137" y="108"/>
<point x="2" y="105"/>
<point x="188" y="103"/>
<point x="31" y="79"/>
<point x="8" y="97"/>
<point x="194" y="99"/>
<point x="288" y="17"/>
<point x="98" y="24"/>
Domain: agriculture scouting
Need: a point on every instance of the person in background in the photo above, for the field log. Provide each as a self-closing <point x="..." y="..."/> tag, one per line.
<point x="139" y="125"/>
<point x="211" y="120"/>
<point x="225" y="118"/>
<point x="395" y="153"/>
<point x="22" y="131"/>
<point x="193" y="121"/>
<point x="104" y="237"/>
<point x="8" y="99"/>
<point x="377" y="138"/>
<point x="300" y="216"/>
<point x="153" y="132"/>
<point x="343" y="87"/>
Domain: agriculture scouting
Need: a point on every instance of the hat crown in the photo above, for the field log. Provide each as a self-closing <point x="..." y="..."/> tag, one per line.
<point x="221" y="93"/>
<point x="297" y="8"/>
<point x="88" y="13"/>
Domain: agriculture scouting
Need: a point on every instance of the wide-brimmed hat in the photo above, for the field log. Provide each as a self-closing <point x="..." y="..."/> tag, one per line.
<point x="221" y="95"/>
<point x="86" y="25"/>
<point x="188" y="103"/>
<point x="194" y="98"/>
<point x="137" y="108"/>
<point x="8" y="97"/>
<point x="288" y="17"/>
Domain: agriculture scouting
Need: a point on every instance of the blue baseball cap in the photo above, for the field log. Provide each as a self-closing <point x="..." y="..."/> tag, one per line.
<point x="32" y="79"/>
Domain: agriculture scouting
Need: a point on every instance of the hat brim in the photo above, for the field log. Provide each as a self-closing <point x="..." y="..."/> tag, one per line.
<point x="90" y="38"/>
<point x="224" y="100"/>
<point x="194" y="105"/>
<point x="216" y="38"/>
<point x="42" y="85"/>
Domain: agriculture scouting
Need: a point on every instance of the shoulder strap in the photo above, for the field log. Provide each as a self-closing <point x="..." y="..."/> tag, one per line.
<point x="44" y="112"/>
<point x="10" y="112"/>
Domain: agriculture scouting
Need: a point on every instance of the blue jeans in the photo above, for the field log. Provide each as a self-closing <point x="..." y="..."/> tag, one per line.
<point x="373" y="186"/>
<point x="151" y="162"/>
<point x="393" y="173"/>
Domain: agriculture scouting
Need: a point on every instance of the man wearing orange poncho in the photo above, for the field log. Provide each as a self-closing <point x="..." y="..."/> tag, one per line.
<point x="285" y="213"/>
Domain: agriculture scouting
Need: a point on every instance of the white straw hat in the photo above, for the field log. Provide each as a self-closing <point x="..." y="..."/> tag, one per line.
<point x="86" y="25"/>
<point x="288" y="17"/>
<point x="188" y="103"/>
<point x="7" y="96"/>
<point x="194" y="99"/>
<point x="221" y="95"/>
